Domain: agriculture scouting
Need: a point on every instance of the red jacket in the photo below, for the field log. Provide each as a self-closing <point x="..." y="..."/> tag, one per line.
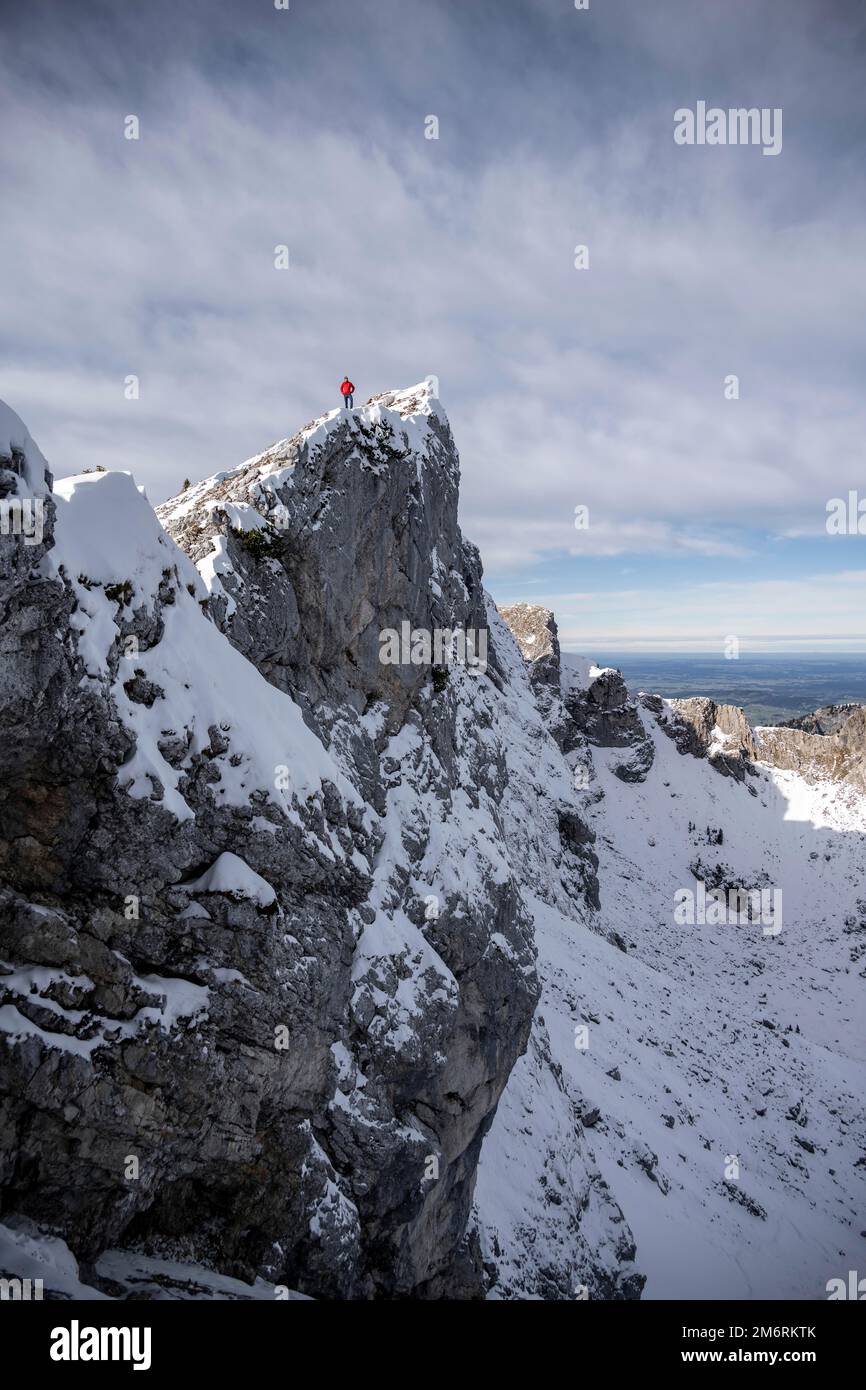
<point x="348" y="388"/>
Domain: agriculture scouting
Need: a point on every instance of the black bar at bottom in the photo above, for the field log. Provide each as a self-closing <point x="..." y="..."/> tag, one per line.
<point x="233" y="1338"/>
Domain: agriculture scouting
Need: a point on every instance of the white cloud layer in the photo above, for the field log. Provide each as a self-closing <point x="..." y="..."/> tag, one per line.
<point x="821" y="612"/>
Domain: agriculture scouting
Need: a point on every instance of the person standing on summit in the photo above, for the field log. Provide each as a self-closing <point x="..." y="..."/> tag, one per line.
<point x="348" y="389"/>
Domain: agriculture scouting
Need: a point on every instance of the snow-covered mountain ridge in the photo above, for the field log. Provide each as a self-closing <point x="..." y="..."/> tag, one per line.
<point x="366" y="979"/>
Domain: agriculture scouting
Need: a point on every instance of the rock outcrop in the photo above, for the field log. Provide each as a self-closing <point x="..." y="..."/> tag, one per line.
<point x="720" y="733"/>
<point x="582" y="704"/>
<point x="829" y="719"/>
<point x="600" y="707"/>
<point x="536" y="635"/>
<point x="829" y="744"/>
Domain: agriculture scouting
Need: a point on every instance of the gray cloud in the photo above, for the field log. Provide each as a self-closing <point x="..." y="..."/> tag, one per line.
<point x="454" y="256"/>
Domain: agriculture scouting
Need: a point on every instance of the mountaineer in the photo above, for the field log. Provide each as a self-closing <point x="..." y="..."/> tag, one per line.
<point x="348" y="389"/>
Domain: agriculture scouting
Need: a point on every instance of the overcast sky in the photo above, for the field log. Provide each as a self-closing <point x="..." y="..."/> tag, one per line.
<point x="600" y="387"/>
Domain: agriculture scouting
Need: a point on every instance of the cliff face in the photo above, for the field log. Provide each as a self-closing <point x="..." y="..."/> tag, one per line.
<point x="828" y="745"/>
<point x="316" y="546"/>
<point x="706" y="729"/>
<point x="535" y="632"/>
<point x="142" y="1088"/>
<point x="270" y="963"/>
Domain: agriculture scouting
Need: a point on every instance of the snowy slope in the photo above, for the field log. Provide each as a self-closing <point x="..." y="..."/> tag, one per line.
<point x="25" y="1253"/>
<point x="111" y="548"/>
<point x="724" y="1041"/>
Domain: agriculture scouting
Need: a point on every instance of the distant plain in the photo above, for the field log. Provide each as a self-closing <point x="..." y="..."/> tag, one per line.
<point x="770" y="687"/>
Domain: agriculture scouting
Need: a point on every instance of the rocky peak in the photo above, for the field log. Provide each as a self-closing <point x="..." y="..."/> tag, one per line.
<point x="535" y="632"/>
<point x="312" y="549"/>
<point x="273" y="886"/>
<point x="721" y="733"/>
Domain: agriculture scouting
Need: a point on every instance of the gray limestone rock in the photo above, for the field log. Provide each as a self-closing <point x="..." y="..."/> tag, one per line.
<point x="265" y="1024"/>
